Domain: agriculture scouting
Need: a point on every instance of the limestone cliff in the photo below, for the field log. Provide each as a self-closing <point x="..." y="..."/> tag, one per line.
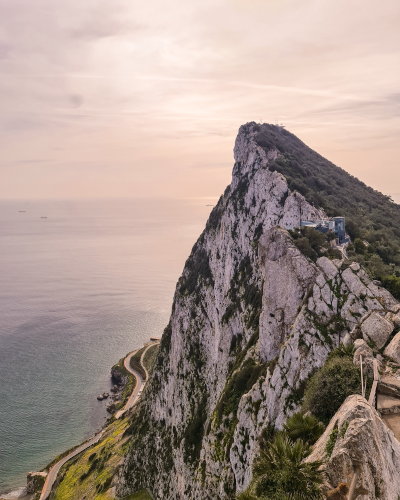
<point x="251" y="318"/>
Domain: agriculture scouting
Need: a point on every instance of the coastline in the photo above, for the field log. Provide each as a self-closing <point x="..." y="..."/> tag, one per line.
<point x="20" y="493"/>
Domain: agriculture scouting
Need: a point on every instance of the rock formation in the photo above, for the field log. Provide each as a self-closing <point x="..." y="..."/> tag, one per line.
<point x="252" y="317"/>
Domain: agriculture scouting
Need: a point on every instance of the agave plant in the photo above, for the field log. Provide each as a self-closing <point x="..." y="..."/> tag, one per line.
<point x="305" y="427"/>
<point x="280" y="473"/>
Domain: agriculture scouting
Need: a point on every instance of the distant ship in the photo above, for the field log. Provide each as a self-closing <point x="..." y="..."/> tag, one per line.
<point x="209" y="205"/>
<point x="21" y="210"/>
<point x="43" y="217"/>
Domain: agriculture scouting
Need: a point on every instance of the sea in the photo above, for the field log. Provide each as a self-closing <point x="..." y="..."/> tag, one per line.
<point x="82" y="283"/>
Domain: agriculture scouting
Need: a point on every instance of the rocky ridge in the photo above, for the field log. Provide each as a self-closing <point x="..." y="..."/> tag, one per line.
<point x="252" y="318"/>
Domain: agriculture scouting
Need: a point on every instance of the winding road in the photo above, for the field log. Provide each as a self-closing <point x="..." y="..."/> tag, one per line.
<point x="139" y="380"/>
<point x="52" y="476"/>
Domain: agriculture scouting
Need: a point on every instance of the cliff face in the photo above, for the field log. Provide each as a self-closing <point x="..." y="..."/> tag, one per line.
<point x="251" y="318"/>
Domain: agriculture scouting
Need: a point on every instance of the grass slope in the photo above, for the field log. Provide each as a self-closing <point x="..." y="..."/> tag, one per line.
<point x="149" y="357"/>
<point x="90" y="474"/>
<point x="136" y="364"/>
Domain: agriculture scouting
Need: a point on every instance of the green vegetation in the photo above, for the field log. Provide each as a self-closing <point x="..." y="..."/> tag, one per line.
<point x="304" y="427"/>
<point x="240" y="383"/>
<point x="330" y="386"/>
<point x="279" y="472"/>
<point x="244" y="290"/>
<point x="344" y="429"/>
<point x="136" y="364"/>
<point x="370" y="216"/>
<point x="198" y="269"/>
<point x="139" y="495"/>
<point x="149" y="357"/>
<point x="330" y="445"/>
<point x="90" y="474"/>
<point x="129" y="386"/>
<point x="61" y="456"/>
<point x="194" y="432"/>
<point x="314" y="244"/>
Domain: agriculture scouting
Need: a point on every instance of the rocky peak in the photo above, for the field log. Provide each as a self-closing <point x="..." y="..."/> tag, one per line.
<point x="252" y="318"/>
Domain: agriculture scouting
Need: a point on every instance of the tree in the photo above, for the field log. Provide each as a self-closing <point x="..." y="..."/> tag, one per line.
<point x="359" y="246"/>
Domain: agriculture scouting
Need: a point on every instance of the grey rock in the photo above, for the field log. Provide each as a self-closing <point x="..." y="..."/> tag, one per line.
<point x="377" y="329"/>
<point x="355" y="266"/>
<point x="347" y="340"/>
<point x="328" y="267"/>
<point x="393" y="349"/>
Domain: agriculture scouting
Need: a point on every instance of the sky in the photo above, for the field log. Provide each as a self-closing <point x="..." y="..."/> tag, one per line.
<point x="121" y="98"/>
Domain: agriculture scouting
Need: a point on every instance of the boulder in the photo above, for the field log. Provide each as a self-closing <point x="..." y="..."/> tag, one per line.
<point x="328" y="267"/>
<point x="390" y="387"/>
<point x="110" y="407"/>
<point x="361" y="439"/>
<point x="377" y="329"/>
<point x="393" y="349"/>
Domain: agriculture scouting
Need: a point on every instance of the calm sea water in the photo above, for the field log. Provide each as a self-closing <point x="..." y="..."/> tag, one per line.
<point x="78" y="290"/>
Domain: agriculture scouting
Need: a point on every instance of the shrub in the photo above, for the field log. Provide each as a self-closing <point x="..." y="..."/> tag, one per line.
<point x="330" y="445"/>
<point x="330" y="386"/>
<point x="314" y="244"/>
<point x="280" y="468"/>
<point x="304" y="427"/>
<point x="392" y="283"/>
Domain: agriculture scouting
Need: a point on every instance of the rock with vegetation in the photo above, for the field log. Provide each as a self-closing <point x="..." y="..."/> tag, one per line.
<point x="257" y="310"/>
<point x="357" y="437"/>
<point x="35" y="481"/>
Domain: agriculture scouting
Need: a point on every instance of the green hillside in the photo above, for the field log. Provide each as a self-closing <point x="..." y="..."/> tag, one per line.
<point x="370" y="215"/>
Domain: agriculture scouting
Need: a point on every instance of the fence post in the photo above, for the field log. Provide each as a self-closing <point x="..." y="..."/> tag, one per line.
<point x="362" y="377"/>
<point x="353" y="484"/>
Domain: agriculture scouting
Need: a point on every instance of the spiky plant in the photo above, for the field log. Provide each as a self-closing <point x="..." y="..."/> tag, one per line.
<point x="342" y="352"/>
<point x="280" y="473"/>
<point x="305" y="427"/>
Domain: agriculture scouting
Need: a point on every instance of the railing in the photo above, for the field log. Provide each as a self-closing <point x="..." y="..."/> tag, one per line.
<point x="375" y="384"/>
<point x="371" y="399"/>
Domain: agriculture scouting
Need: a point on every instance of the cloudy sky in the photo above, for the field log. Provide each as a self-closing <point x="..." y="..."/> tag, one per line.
<point x="126" y="98"/>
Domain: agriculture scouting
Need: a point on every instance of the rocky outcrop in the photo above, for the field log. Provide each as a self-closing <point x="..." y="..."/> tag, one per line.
<point x="118" y="377"/>
<point x="361" y="439"/>
<point x="35" y="481"/>
<point x="252" y="318"/>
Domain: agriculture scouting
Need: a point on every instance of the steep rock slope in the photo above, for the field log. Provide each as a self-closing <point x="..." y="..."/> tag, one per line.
<point x="251" y="318"/>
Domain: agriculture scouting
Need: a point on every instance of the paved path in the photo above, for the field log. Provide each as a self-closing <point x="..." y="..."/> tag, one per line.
<point x="55" y="470"/>
<point x="139" y="380"/>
